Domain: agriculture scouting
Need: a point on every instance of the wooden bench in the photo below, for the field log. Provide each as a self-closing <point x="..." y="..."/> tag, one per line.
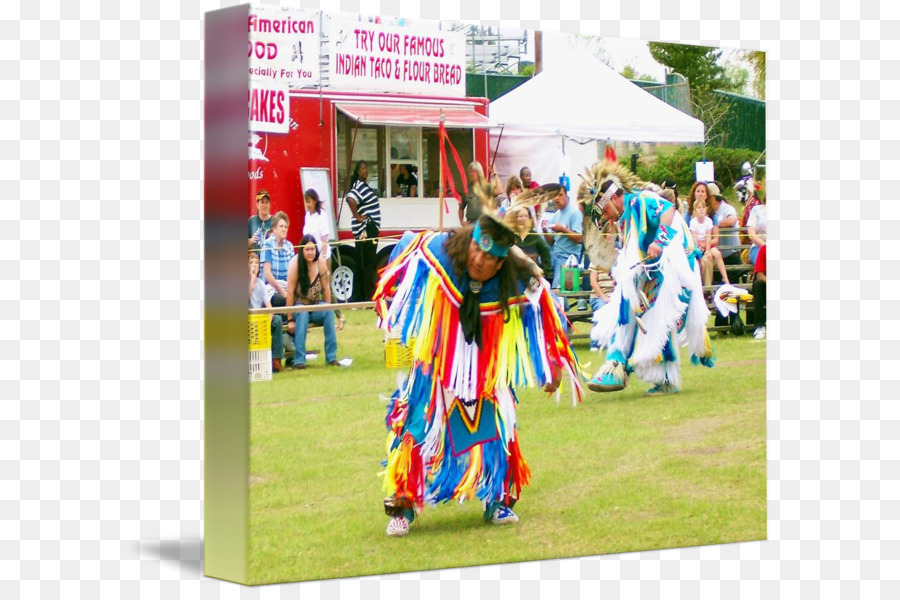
<point x="736" y="273"/>
<point x="280" y="310"/>
<point x="574" y="314"/>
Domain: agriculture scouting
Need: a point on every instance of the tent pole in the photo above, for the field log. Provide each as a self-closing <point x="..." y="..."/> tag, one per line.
<point x="441" y="183"/>
<point x="497" y="147"/>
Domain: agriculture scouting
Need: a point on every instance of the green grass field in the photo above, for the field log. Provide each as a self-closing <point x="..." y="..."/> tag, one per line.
<point x="620" y="472"/>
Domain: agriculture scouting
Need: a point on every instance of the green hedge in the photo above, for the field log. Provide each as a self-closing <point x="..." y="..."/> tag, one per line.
<point x="680" y="165"/>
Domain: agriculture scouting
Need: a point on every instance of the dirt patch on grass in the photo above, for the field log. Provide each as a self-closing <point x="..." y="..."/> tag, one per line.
<point x="736" y="446"/>
<point x="695" y="430"/>
<point x="702" y="451"/>
<point x="257" y="479"/>
<point x="314" y="400"/>
<point x="739" y="363"/>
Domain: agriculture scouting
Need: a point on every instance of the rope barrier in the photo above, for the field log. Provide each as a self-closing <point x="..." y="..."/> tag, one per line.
<point x="388" y="238"/>
<point x="280" y="310"/>
<point x="395" y="238"/>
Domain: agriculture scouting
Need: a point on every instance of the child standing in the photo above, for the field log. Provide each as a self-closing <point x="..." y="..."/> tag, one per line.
<point x="701" y="227"/>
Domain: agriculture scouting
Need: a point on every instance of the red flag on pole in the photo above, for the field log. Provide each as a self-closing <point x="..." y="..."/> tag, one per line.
<point x="445" y="140"/>
<point x="611" y="154"/>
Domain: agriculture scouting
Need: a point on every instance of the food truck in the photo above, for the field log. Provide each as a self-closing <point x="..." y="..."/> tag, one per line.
<point x="328" y="91"/>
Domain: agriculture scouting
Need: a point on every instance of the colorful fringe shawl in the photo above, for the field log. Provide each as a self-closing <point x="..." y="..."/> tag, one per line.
<point x="452" y="422"/>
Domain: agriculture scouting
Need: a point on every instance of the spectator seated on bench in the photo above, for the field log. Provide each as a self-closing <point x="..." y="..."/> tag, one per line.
<point x="759" y="294"/>
<point x="704" y="234"/>
<point x="308" y="283"/>
<point x="275" y="255"/>
<point x="756" y="229"/>
<point x="259" y="299"/>
<point x="725" y="217"/>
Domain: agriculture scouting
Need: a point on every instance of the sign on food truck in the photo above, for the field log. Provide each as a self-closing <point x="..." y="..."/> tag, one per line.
<point x="269" y="106"/>
<point x="284" y="46"/>
<point x="376" y="57"/>
<point x="329" y="91"/>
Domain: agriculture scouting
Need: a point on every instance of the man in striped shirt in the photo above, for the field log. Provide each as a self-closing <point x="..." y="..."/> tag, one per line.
<point x="366" y="209"/>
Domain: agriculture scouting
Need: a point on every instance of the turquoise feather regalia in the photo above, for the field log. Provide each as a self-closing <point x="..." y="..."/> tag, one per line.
<point x="666" y="295"/>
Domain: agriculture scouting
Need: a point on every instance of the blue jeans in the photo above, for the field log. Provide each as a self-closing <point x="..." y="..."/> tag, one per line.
<point x="558" y="264"/>
<point x="277" y="341"/>
<point x="556" y="284"/>
<point x="753" y="252"/>
<point x="325" y="318"/>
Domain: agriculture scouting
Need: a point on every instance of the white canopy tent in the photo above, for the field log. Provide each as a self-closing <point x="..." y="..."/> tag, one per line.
<point x="553" y="122"/>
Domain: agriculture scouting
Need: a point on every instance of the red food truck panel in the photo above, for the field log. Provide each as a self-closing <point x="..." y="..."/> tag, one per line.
<point x="323" y="129"/>
<point x="276" y="158"/>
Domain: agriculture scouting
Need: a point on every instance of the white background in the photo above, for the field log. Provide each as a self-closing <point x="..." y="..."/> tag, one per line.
<point x="102" y="310"/>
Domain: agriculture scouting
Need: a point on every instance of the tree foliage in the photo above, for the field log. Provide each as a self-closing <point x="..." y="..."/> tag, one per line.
<point x="697" y="63"/>
<point x="757" y="60"/>
<point x="736" y="78"/>
<point x="628" y="72"/>
<point x="680" y="166"/>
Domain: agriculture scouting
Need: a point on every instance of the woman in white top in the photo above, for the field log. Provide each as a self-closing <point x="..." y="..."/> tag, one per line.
<point x="316" y="222"/>
<point x="756" y="228"/>
<point x="316" y="226"/>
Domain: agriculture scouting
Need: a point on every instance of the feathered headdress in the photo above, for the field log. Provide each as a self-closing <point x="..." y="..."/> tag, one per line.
<point x="603" y="171"/>
<point x="507" y="216"/>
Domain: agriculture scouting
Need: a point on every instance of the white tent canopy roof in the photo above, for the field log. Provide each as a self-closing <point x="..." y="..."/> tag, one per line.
<point x="578" y="96"/>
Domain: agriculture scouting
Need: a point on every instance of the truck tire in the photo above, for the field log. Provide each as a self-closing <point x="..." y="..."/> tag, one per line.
<point x="382" y="258"/>
<point x="342" y="277"/>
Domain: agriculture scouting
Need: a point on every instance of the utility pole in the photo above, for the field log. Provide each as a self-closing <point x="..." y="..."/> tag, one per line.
<point x="538" y="52"/>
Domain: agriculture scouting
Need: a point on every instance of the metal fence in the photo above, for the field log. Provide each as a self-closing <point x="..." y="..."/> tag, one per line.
<point x="744" y="125"/>
<point x="492" y="85"/>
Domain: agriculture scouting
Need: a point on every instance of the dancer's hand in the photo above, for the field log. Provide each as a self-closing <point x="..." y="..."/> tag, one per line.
<point x="654" y="250"/>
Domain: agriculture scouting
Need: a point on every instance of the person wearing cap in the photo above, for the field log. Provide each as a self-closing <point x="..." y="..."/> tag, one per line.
<point x="658" y="289"/>
<point x="479" y="321"/>
<point x="260" y="224"/>
<point x="724" y="217"/>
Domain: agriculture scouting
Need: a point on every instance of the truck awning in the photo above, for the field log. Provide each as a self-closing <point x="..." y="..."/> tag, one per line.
<point x="420" y="115"/>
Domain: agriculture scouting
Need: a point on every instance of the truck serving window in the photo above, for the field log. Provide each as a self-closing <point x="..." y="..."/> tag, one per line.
<point x="399" y="155"/>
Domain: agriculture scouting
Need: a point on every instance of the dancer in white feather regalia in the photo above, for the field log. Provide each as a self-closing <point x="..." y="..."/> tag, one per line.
<point x="658" y="300"/>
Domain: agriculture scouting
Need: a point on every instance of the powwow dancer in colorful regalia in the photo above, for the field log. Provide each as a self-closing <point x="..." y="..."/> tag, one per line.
<point x="658" y="301"/>
<point x="479" y="321"/>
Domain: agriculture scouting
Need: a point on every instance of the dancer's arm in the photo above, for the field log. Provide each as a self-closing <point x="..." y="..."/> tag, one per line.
<point x="656" y="247"/>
